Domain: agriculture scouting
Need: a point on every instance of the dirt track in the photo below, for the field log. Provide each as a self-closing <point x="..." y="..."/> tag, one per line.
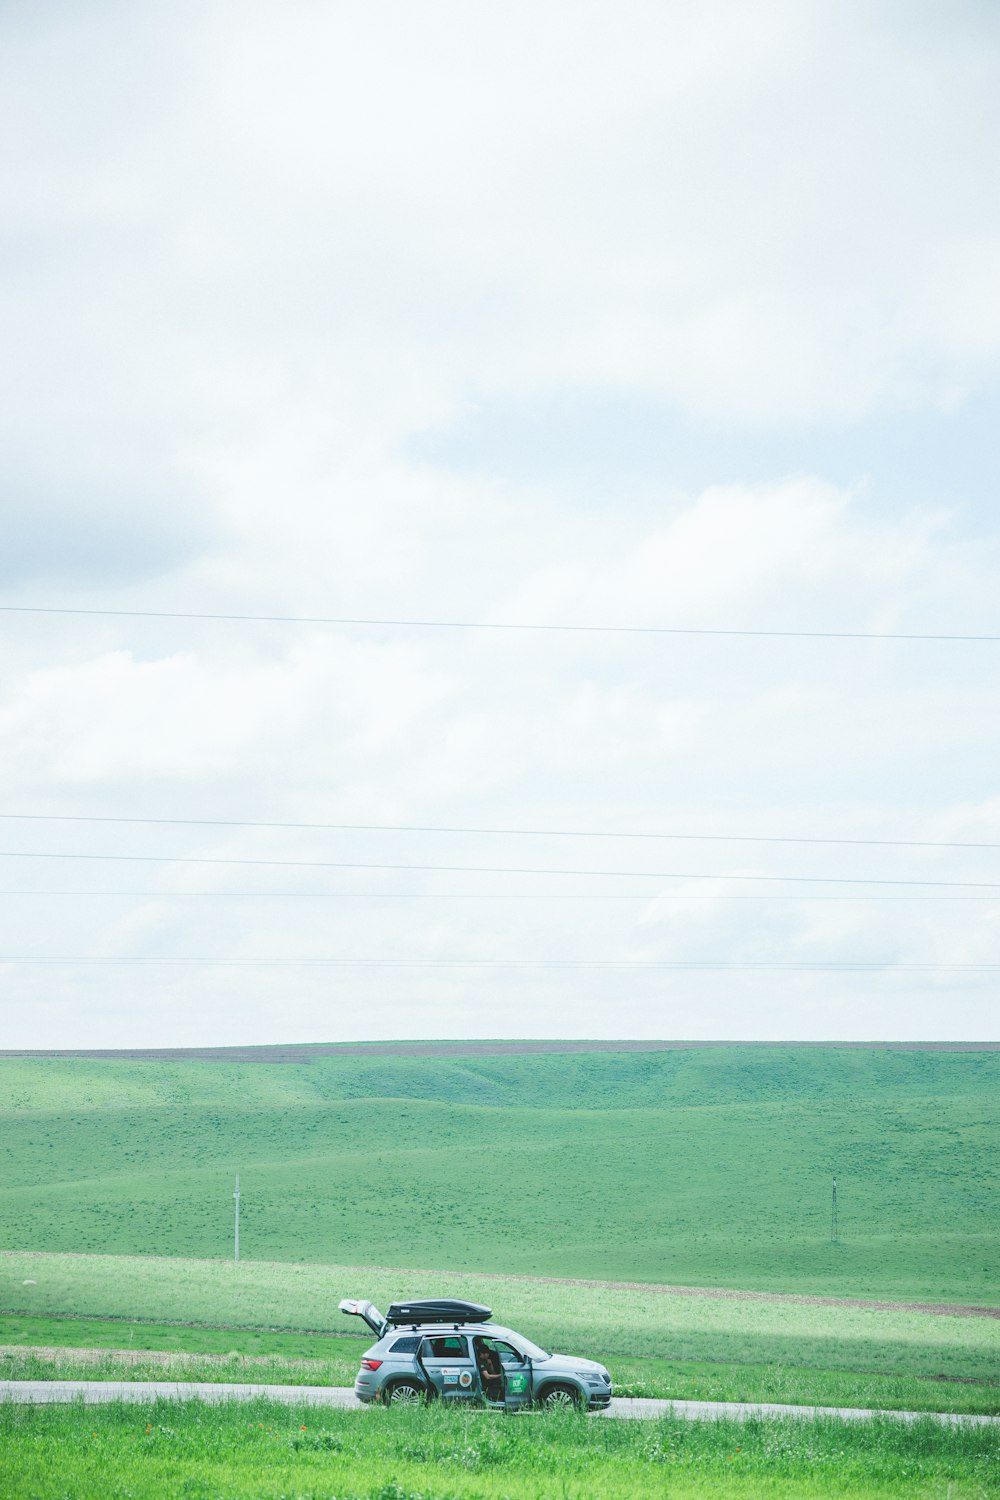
<point x="67" y="1354"/>
<point x="935" y="1309"/>
<point x="724" y="1294"/>
<point x="650" y="1288"/>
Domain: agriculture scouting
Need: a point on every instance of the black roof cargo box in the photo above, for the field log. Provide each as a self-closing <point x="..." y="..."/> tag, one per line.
<point x="437" y="1310"/>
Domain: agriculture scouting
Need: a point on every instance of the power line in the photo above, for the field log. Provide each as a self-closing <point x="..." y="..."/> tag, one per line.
<point x="561" y="833"/>
<point x="505" y="963"/>
<point x="478" y="896"/>
<point x="496" y="625"/>
<point x="330" y="864"/>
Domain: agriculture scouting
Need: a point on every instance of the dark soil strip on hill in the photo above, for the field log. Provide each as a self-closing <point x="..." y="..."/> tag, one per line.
<point x="309" y="1053"/>
<point x="655" y="1289"/>
<point x="935" y="1309"/>
<point x="726" y="1294"/>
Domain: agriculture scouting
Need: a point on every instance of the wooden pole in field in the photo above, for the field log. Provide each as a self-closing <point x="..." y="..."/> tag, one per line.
<point x="833" y="1213"/>
<point x="236" y="1196"/>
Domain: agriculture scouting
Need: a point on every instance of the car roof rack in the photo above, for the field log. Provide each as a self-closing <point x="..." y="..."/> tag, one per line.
<point x="437" y="1310"/>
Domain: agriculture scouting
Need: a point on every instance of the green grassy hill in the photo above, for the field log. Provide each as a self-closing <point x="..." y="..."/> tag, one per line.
<point x="702" y="1167"/>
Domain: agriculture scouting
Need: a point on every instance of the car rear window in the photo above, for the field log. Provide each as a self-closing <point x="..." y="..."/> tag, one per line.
<point x="405" y="1346"/>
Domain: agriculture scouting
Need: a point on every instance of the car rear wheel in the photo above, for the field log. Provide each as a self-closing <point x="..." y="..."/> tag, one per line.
<point x="405" y="1393"/>
<point x="560" y="1398"/>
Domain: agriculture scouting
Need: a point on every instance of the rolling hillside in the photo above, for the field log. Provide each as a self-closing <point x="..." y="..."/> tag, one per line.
<point x="707" y="1166"/>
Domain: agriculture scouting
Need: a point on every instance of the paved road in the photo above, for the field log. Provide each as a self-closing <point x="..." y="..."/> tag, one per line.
<point x="42" y="1392"/>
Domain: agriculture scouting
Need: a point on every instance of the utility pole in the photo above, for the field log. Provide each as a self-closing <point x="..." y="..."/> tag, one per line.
<point x="236" y="1196"/>
<point x="833" y="1213"/>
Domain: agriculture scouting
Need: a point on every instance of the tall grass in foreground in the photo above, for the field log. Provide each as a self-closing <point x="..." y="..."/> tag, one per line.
<point x="166" y="1451"/>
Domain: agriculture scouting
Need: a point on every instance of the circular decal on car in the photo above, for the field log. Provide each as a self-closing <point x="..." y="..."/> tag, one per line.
<point x="465" y="1379"/>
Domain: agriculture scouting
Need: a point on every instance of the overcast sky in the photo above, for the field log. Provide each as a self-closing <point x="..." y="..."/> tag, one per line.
<point x="550" y="313"/>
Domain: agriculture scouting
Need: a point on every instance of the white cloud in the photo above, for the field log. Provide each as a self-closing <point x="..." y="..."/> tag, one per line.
<point x="768" y="216"/>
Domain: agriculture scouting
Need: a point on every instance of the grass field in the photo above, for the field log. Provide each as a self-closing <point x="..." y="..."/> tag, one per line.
<point x="260" y="1452"/>
<point x="705" y="1167"/>
<point x="765" y="1347"/>
<point x="77" y="1349"/>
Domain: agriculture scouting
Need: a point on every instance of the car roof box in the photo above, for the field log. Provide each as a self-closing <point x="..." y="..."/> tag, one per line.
<point x="438" y="1310"/>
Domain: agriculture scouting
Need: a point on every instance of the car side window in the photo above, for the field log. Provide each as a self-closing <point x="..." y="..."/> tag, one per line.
<point x="450" y="1347"/>
<point x="405" y="1346"/>
<point x="508" y="1354"/>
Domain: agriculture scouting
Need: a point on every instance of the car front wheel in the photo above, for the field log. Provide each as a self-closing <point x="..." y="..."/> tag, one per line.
<point x="405" y="1393"/>
<point x="560" y="1398"/>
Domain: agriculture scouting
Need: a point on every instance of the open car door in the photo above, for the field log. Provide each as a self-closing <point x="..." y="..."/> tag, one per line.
<point x="517" y="1387"/>
<point x="504" y="1372"/>
<point x="516" y="1375"/>
<point x="449" y="1366"/>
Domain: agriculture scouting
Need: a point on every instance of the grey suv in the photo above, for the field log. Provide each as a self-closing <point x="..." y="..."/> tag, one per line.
<point x="451" y="1350"/>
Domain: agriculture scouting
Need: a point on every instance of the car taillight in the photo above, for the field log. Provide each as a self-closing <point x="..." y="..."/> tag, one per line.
<point x="370" y="1364"/>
